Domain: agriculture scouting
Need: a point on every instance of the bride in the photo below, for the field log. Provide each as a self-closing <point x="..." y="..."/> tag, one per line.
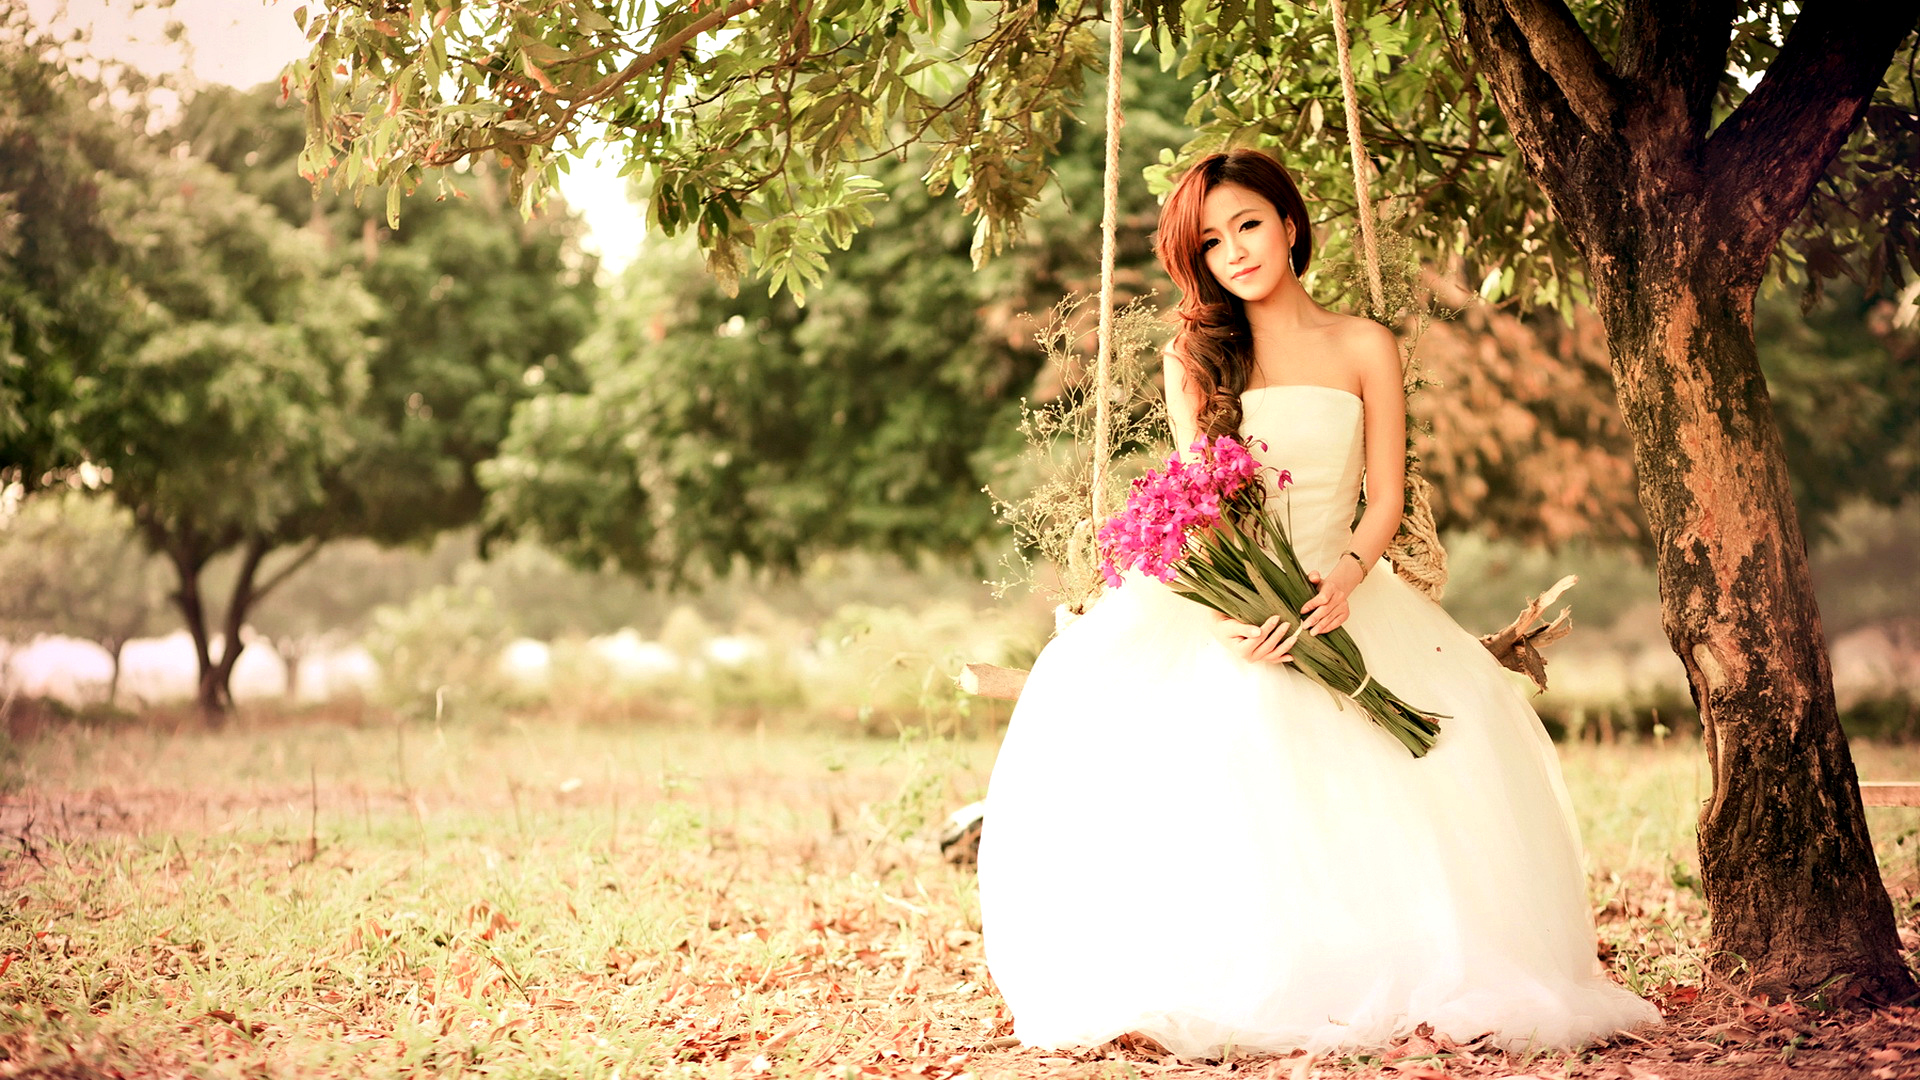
<point x="1192" y="841"/>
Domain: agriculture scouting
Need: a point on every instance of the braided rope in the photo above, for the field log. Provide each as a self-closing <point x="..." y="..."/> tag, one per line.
<point x="1109" y="225"/>
<point x="1358" y="153"/>
<point x="1415" y="552"/>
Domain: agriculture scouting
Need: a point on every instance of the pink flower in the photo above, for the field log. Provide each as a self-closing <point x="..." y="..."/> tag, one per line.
<point x="1164" y="507"/>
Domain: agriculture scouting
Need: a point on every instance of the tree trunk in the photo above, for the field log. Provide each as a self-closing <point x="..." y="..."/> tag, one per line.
<point x="189" y="554"/>
<point x="188" y="562"/>
<point x="293" y="650"/>
<point x="216" y="683"/>
<point x="1676" y="230"/>
<point x="115" y="648"/>
<point x="1785" y="857"/>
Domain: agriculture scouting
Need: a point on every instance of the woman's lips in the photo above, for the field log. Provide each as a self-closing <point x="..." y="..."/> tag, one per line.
<point x="1245" y="272"/>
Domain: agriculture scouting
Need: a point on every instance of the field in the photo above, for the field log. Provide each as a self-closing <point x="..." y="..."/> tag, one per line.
<point x="314" y="898"/>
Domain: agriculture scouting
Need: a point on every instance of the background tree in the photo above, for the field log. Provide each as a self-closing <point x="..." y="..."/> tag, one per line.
<point x="72" y="563"/>
<point x="721" y="428"/>
<point x="479" y="309"/>
<point x="212" y="396"/>
<point x="62" y="159"/>
<point x="223" y="362"/>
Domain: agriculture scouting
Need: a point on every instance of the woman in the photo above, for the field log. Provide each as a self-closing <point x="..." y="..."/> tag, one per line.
<point x="1191" y="841"/>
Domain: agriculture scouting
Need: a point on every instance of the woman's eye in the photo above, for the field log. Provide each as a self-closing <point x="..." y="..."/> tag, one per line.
<point x="1248" y="224"/>
<point x="1207" y="245"/>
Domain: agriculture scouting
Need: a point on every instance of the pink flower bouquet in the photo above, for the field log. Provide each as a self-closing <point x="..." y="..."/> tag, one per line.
<point x="1202" y="527"/>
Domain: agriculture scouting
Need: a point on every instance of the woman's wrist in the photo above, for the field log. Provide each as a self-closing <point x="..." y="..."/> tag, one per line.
<point x="1358" y="561"/>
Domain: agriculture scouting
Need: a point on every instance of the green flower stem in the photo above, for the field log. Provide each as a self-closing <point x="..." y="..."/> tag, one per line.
<point x="1251" y="574"/>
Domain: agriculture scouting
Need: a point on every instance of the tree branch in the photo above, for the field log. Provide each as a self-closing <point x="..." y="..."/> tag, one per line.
<point x="1549" y="130"/>
<point x="307" y="552"/>
<point x="668" y="48"/>
<point x="1768" y="155"/>
<point x="239" y="604"/>
<point x="600" y="91"/>
<point x="1678" y="47"/>
<point x="1563" y="51"/>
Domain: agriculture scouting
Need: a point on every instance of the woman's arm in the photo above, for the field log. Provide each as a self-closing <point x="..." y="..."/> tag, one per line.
<point x="1383" y="400"/>
<point x="1183" y="399"/>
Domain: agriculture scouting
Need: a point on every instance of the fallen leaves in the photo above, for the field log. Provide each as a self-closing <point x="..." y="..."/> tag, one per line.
<point x="788" y="950"/>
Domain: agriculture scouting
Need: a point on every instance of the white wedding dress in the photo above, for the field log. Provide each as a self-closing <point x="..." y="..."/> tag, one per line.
<point x="1214" y="853"/>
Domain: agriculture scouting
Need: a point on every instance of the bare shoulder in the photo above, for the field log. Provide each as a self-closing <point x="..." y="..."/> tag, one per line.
<point x="1361" y="337"/>
<point x="1370" y="348"/>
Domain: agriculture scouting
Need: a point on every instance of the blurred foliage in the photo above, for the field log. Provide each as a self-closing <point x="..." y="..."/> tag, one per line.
<point x="1844" y="375"/>
<point x="751" y="428"/>
<point x="72" y="563"/>
<point x="1491" y="579"/>
<point x="334" y="595"/>
<point x="244" y="376"/>
<point x="546" y="598"/>
<point x="1518" y="428"/>
<point x="1867" y="568"/>
<point x="440" y="654"/>
<point x="895" y="666"/>
<point x="1887" y="718"/>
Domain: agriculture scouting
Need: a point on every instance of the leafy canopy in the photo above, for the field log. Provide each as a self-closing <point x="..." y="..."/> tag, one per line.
<point x="748" y="429"/>
<point x="754" y="125"/>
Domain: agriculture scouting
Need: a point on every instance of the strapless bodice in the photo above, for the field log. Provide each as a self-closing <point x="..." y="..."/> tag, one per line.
<point x="1317" y="434"/>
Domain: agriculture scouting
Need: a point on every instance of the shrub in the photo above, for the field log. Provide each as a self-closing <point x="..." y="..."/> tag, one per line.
<point x="439" y="654"/>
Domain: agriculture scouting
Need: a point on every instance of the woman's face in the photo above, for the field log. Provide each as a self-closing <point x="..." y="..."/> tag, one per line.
<point x="1247" y="244"/>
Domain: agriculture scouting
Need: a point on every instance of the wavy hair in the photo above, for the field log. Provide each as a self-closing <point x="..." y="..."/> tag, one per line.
<point x="1212" y="339"/>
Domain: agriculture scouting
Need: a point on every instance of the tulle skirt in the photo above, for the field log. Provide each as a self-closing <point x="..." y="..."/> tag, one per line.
<point x="1215" y="853"/>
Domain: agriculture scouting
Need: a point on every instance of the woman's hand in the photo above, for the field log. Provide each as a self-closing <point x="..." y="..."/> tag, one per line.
<point x="1328" y="609"/>
<point x="1254" y="644"/>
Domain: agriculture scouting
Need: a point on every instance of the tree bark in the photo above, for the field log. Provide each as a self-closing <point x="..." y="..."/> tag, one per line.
<point x="189" y="553"/>
<point x="1676" y="229"/>
<point x="116" y="647"/>
<point x="216" y="684"/>
<point x="293" y="650"/>
<point x="188" y="561"/>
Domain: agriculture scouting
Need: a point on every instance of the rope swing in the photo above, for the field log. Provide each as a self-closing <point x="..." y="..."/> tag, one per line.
<point x="1416" y="553"/>
<point x="1109" y="226"/>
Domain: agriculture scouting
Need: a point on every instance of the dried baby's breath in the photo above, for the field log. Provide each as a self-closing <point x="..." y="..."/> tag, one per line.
<point x="1047" y="498"/>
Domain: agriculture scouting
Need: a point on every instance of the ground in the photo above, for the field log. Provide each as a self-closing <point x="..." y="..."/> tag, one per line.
<point x="319" y="897"/>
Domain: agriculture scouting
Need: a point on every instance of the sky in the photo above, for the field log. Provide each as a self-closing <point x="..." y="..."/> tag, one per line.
<point x="247" y="42"/>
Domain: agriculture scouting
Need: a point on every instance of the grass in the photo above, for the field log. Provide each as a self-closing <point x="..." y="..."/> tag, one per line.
<point x="320" y="899"/>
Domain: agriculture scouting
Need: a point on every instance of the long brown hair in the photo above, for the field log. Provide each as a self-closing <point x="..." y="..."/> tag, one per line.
<point x="1213" y="340"/>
